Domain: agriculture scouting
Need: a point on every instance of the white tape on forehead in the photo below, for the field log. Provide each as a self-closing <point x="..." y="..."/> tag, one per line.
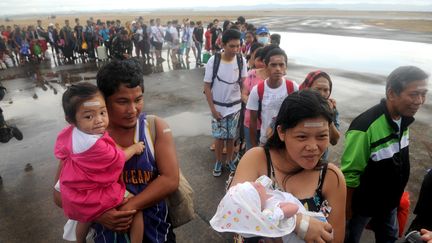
<point x="91" y="103"/>
<point x="314" y="124"/>
<point x="422" y="87"/>
<point x="166" y="130"/>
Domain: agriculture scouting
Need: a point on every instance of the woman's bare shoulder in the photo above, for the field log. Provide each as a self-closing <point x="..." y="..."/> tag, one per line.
<point x="251" y="166"/>
<point x="334" y="178"/>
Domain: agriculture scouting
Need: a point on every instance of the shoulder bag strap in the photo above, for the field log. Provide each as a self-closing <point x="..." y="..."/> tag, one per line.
<point x="152" y="127"/>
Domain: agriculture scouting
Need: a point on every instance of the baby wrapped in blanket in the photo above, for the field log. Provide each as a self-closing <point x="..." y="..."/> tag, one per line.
<point x="254" y="209"/>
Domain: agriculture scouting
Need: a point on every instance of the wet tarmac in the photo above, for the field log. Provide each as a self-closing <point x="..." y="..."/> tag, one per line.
<point x="343" y="25"/>
<point x="28" y="166"/>
<point x="33" y="103"/>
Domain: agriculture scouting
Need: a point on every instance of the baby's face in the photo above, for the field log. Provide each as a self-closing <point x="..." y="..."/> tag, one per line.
<point x="91" y="116"/>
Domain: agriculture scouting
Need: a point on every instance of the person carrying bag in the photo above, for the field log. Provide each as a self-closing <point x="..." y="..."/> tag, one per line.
<point x="180" y="202"/>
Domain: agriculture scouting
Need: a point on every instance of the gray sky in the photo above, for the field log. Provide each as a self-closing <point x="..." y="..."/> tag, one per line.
<point x="13" y="7"/>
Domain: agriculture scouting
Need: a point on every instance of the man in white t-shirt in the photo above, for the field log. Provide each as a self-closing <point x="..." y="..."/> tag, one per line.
<point x="223" y="93"/>
<point x="171" y="37"/>
<point x="275" y="90"/>
<point x="157" y="38"/>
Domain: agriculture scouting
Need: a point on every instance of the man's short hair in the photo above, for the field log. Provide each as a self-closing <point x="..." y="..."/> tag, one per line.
<point x="274" y="51"/>
<point x="241" y="20"/>
<point x="402" y="76"/>
<point x="118" y="72"/>
<point x="230" y="34"/>
<point x="275" y="39"/>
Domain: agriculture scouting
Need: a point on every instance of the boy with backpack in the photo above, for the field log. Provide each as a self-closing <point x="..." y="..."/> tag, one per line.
<point x="225" y="72"/>
<point x="267" y="96"/>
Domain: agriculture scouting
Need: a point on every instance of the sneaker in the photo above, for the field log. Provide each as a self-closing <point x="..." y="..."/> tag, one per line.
<point x="217" y="170"/>
<point x="232" y="166"/>
<point x="16" y="132"/>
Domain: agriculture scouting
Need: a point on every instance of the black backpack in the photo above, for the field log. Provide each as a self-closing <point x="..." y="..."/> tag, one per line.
<point x="168" y="37"/>
<point x="216" y="63"/>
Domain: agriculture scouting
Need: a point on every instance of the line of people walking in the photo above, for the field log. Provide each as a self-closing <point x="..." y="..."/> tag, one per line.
<point x="288" y="129"/>
<point x="97" y="39"/>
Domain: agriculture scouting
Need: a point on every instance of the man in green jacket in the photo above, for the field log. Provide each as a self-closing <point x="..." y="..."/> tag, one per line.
<point x="375" y="161"/>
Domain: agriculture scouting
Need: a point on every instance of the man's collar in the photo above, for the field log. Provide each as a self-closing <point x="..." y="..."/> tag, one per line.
<point x="405" y="122"/>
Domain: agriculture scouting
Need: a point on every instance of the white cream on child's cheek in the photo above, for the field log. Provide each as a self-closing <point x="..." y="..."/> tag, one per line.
<point x="91" y="103"/>
<point x="314" y="124"/>
<point x="166" y="130"/>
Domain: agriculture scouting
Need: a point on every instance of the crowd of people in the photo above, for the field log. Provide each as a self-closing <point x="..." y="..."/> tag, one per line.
<point x="284" y="128"/>
<point x="101" y="40"/>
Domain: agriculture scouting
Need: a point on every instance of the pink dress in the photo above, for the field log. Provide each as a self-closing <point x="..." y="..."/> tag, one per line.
<point x="90" y="181"/>
<point x="251" y="80"/>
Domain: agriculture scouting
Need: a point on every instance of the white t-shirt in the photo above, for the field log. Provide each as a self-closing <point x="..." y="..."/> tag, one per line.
<point x="174" y="33"/>
<point x="157" y="33"/>
<point x="140" y="33"/>
<point x="226" y="92"/>
<point x="270" y="105"/>
<point x="82" y="141"/>
<point x="399" y="123"/>
<point x="188" y="34"/>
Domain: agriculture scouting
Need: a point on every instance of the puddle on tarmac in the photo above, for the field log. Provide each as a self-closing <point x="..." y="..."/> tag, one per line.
<point x="379" y="56"/>
<point x="189" y="124"/>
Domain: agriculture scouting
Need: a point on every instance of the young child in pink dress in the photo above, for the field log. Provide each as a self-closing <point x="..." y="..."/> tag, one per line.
<point x="92" y="163"/>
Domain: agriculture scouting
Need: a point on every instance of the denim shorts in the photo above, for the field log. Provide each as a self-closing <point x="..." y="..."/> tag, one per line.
<point x="226" y="128"/>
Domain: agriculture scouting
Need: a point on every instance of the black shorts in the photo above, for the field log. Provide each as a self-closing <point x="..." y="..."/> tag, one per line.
<point x="157" y="45"/>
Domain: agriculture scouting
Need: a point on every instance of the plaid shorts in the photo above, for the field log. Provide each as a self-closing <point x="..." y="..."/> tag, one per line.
<point x="226" y="128"/>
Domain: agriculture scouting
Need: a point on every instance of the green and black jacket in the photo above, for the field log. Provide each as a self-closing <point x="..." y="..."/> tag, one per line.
<point x="375" y="160"/>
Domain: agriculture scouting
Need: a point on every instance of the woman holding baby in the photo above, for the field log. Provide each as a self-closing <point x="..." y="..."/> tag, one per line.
<point x="292" y="159"/>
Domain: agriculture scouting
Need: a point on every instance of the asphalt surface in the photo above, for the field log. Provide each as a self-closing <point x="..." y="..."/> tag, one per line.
<point x="33" y="103"/>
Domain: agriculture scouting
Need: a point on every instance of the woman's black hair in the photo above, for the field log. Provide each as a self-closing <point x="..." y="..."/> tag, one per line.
<point x="225" y="25"/>
<point x="266" y="49"/>
<point x="297" y="107"/>
<point x="255" y="46"/>
<point x="74" y="96"/>
<point x="253" y="35"/>
<point x="112" y="75"/>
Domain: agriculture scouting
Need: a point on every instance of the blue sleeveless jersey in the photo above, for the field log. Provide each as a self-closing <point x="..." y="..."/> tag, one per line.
<point x="138" y="172"/>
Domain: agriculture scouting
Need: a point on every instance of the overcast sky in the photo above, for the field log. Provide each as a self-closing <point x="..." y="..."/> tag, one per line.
<point x="13" y="7"/>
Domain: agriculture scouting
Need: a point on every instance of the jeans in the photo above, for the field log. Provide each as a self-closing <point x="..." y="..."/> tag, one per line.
<point x="198" y="46"/>
<point x="247" y="137"/>
<point x="385" y="227"/>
